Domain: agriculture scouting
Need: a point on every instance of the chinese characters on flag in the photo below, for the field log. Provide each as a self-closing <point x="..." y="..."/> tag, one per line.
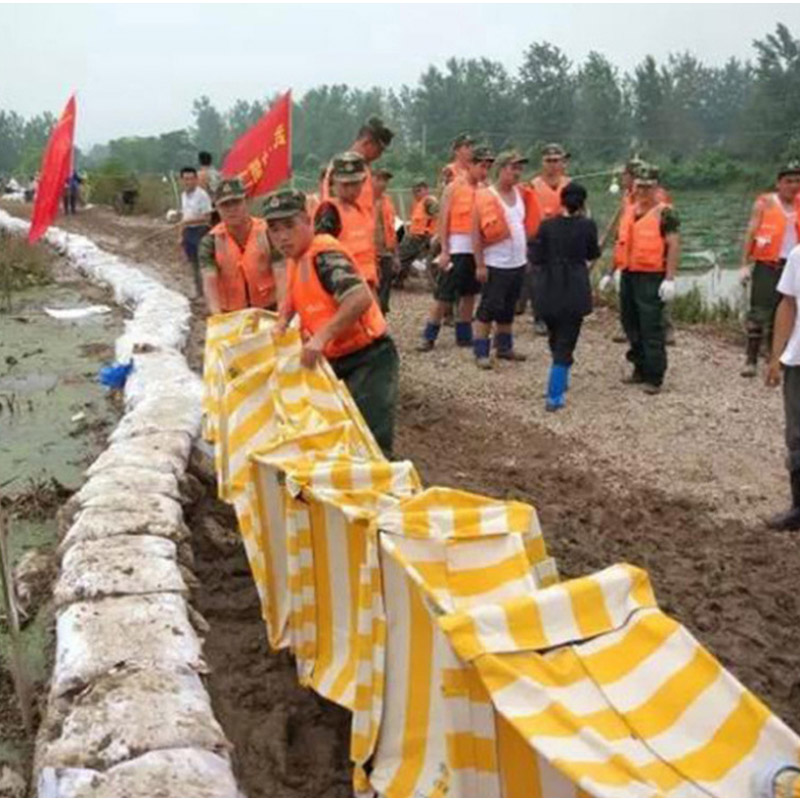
<point x="53" y="174"/>
<point x="262" y="156"/>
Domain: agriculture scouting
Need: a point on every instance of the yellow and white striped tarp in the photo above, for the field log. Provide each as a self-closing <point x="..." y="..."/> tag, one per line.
<point x="615" y="695"/>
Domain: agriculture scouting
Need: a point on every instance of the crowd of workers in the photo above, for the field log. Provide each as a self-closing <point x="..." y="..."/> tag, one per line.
<point x="494" y="242"/>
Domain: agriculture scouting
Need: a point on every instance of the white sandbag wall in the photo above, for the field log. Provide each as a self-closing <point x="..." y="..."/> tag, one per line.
<point x="127" y="713"/>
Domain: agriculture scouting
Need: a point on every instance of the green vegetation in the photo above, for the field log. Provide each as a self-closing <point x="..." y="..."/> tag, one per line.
<point x="21" y="266"/>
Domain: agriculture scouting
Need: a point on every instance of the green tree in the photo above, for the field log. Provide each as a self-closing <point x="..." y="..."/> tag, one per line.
<point x="209" y="132"/>
<point x="601" y="122"/>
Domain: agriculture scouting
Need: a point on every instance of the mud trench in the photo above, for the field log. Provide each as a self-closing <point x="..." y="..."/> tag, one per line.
<point x="288" y="742"/>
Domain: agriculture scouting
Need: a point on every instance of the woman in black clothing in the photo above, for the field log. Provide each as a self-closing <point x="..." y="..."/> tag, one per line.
<point x="561" y="254"/>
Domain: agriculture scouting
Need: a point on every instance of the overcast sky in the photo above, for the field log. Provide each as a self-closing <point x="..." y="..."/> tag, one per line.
<point x="137" y="68"/>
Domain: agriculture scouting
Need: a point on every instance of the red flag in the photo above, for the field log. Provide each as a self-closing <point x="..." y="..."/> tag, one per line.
<point x="262" y="156"/>
<point x="53" y="173"/>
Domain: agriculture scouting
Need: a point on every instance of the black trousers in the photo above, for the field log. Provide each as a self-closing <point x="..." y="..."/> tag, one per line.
<point x="791" y="410"/>
<point x="643" y="320"/>
<point x="562" y="336"/>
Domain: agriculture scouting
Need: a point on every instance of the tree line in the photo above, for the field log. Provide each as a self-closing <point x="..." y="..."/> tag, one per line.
<point x="681" y="112"/>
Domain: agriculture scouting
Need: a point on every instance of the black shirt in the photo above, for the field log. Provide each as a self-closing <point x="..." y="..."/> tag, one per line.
<point x="560" y="253"/>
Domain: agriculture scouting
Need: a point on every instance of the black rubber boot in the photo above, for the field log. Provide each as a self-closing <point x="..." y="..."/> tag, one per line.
<point x="750" y="366"/>
<point x="789" y="520"/>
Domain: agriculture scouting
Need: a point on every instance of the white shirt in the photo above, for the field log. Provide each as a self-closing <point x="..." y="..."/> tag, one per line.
<point x="195" y="206"/>
<point x="790" y="232"/>
<point x="460" y="243"/>
<point x="789" y="284"/>
<point x="510" y="253"/>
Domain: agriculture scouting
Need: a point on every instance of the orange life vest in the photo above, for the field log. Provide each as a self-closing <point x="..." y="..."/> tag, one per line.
<point x="422" y="224"/>
<point x="492" y="216"/>
<point x="620" y="254"/>
<point x="358" y="236"/>
<point x="768" y="238"/>
<point x="386" y="210"/>
<point x="315" y="306"/>
<point x="647" y="249"/>
<point x="549" y="198"/>
<point x="245" y="278"/>
<point x="462" y="201"/>
<point x="533" y="210"/>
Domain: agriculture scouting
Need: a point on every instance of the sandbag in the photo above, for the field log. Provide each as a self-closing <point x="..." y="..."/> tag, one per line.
<point x="123" y="455"/>
<point x="133" y="480"/>
<point x="187" y="772"/>
<point x="123" y="565"/>
<point x="148" y="631"/>
<point x="127" y="712"/>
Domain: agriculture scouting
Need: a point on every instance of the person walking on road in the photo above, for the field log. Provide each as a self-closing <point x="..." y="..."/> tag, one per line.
<point x="500" y="245"/>
<point x="785" y="362"/>
<point x="339" y="316"/>
<point x="196" y="211"/>
<point x="648" y="282"/>
<point x="562" y="253"/>
<point x="771" y="235"/>
<point x="456" y="280"/>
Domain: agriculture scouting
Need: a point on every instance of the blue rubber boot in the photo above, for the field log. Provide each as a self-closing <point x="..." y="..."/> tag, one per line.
<point x="504" y="347"/>
<point x="481" y="349"/>
<point x="429" y="336"/>
<point x="464" y="334"/>
<point x="556" y="387"/>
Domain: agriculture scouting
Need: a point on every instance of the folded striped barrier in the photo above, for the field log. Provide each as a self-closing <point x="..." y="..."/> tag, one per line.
<point x="437" y="617"/>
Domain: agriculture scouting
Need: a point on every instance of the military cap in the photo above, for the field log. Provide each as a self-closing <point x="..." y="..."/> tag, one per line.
<point x="510" y="157"/>
<point x="283" y="204"/>
<point x="378" y="131"/>
<point x="461" y="140"/>
<point x="646" y="175"/>
<point x="229" y="189"/>
<point x="348" y="167"/>
<point x="632" y="165"/>
<point x="482" y="153"/>
<point x="790" y="168"/>
<point x="383" y="172"/>
<point x="419" y="181"/>
<point x="554" y="149"/>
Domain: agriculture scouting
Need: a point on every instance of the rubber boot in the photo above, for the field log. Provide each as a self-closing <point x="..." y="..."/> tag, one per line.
<point x="481" y="349"/>
<point x="567" y="380"/>
<point x="429" y="336"/>
<point x="750" y="368"/>
<point x="555" y="387"/>
<point x="789" y="520"/>
<point x="464" y="334"/>
<point x="504" y="348"/>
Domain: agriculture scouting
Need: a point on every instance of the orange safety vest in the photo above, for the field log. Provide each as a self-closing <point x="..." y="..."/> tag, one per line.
<point x="422" y="224"/>
<point x="647" y="248"/>
<point x="245" y="278"/>
<point x="549" y="198"/>
<point x="462" y="201"/>
<point x="768" y="238"/>
<point x="620" y="254"/>
<point x="386" y="209"/>
<point x="358" y="236"/>
<point x="316" y="306"/>
<point x="533" y="210"/>
<point x="492" y="217"/>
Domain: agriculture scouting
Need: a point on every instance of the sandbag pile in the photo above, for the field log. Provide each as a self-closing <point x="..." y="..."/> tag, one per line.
<point x="127" y="713"/>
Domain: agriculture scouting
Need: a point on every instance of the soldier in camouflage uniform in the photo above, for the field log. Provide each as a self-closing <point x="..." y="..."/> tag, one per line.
<point x="339" y="316"/>
<point x="421" y="229"/>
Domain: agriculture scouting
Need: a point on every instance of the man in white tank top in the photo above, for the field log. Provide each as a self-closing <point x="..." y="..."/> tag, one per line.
<point x="500" y="265"/>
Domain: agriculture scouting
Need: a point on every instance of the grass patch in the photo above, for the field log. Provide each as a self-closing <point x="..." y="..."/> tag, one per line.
<point x="22" y="266"/>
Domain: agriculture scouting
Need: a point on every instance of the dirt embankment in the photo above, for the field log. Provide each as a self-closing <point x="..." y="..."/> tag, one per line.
<point x="676" y="484"/>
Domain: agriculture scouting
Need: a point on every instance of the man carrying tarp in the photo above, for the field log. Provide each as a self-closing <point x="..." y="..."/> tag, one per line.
<point x="771" y="234"/>
<point x="339" y="315"/>
<point x="240" y="270"/>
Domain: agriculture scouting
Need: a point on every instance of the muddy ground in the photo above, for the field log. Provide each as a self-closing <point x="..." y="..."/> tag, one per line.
<point x="678" y="484"/>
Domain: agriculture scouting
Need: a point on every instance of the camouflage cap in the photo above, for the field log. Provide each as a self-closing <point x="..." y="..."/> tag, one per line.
<point x="383" y="172"/>
<point x="348" y="167"/>
<point x="633" y="165"/>
<point x="283" y="204"/>
<point x="790" y="168"/>
<point x="377" y="129"/>
<point x="229" y="189"/>
<point x="510" y="157"/>
<point x="419" y="181"/>
<point x="482" y="153"/>
<point x="461" y="140"/>
<point x="554" y="149"/>
<point x="646" y="175"/>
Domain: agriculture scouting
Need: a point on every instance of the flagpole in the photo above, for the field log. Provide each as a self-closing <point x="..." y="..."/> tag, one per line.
<point x="291" y="139"/>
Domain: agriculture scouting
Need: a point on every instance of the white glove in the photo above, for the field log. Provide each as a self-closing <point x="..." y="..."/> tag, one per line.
<point x="605" y="282"/>
<point x="667" y="291"/>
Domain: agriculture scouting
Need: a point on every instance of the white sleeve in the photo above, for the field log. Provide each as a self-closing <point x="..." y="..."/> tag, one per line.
<point x="789" y="283"/>
<point x="204" y="205"/>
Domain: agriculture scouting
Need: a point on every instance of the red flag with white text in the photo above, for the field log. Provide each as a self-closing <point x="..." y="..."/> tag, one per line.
<point x="262" y="155"/>
<point x="53" y="173"/>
